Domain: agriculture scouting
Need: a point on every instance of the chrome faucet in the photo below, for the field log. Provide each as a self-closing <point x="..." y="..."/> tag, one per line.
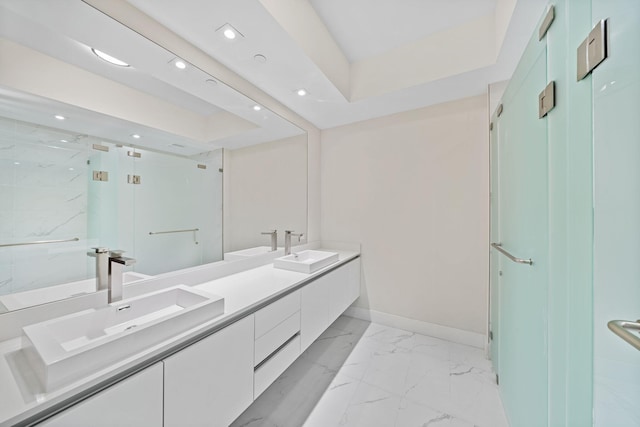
<point x="274" y="239"/>
<point x="102" y="267"/>
<point x="117" y="263"/>
<point x="287" y="240"/>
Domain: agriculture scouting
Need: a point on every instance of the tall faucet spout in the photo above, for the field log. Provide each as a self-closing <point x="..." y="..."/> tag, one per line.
<point x="117" y="263"/>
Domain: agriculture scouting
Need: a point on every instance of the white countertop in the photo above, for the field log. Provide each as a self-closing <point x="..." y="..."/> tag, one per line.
<point x="244" y="292"/>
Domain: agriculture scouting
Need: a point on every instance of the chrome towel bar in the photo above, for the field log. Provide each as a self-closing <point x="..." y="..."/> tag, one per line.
<point x="621" y="328"/>
<point x="498" y="247"/>
<point x="174" y="231"/>
<point x="39" y="242"/>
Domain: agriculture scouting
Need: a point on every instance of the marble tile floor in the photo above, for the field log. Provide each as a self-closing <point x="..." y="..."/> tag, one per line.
<point x="364" y="374"/>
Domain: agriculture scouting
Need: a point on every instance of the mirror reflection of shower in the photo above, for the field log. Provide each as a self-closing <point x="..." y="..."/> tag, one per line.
<point x="68" y="192"/>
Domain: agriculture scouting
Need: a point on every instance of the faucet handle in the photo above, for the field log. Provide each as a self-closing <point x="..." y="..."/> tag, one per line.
<point x="269" y="232"/>
<point x="97" y="250"/>
<point x="116" y="253"/>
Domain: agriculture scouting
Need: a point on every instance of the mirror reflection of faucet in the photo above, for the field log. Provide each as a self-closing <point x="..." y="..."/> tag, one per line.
<point x="274" y="238"/>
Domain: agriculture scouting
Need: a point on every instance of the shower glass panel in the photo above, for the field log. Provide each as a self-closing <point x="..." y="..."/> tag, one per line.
<point x="616" y="109"/>
<point x="523" y="206"/>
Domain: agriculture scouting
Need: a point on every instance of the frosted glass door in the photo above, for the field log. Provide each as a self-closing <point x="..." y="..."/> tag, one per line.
<point x="523" y="231"/>
<point x="616" y="124"/>
<point x="494" y="268"/>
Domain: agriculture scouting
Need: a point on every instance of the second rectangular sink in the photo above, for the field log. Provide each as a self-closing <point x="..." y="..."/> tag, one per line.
<point x="70" y="347"/>
<point x="306" y="261"/>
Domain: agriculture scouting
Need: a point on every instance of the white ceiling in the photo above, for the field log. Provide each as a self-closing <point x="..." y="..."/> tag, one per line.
<point x="365" y="28"/>
<point x="359" y="59"/>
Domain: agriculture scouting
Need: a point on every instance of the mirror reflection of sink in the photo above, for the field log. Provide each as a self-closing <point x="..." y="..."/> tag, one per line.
<point x="57" y="292"/>
<point x="70" y="347"/>
<point x="306" y="261"/>
<point x="246" y="253"/>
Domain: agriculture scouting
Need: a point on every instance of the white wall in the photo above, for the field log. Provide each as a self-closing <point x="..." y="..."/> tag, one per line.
<point x="413" y="189"/>
<point x="265" y="188"/>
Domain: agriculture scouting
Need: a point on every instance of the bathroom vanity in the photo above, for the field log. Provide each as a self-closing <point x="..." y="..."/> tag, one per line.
<point x="207" y="375"/>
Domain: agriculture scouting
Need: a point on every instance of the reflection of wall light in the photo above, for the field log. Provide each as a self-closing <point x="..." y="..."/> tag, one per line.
<point x="108" y="58"/>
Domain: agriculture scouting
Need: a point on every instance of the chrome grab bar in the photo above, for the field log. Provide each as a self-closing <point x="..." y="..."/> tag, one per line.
<point x="498" y="247"/>
<point x="40" y="242"/>
<point x="620" y="328"/>
<point x="174" y="231"/>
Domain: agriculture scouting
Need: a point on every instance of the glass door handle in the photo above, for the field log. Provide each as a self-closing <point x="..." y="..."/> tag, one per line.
<point x="621" y="328"/>
<point x="498" y="247"/>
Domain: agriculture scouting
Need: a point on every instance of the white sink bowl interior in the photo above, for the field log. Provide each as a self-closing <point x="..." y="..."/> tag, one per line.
<point x="246" y="253"/>
<point x="70" y="347"/>
<point x="306" y="261"/>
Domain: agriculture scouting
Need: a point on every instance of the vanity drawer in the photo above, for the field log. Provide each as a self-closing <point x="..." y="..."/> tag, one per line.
<point x="267" y="373"/>
<point x="269" y="342"/>
<point x="275" y="313"/>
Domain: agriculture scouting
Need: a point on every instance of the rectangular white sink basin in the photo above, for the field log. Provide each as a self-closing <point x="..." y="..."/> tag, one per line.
<point x="70" y="347"/>
<point x="246" y="253"/>
<point x="306" y="261"/>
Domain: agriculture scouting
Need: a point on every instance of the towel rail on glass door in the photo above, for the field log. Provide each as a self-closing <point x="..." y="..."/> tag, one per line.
<point x="498" y="247"/>
<point x="188" y="230"/>
<point x="621" y="328"/>
<point x="39" y="242"/>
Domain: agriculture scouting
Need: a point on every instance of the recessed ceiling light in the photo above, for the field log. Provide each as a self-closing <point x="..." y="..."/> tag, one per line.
<point x="59" y="117"/>
<point x="110" y="59"/>
<point x="71" y="169"/>
<point x="301" y="92"/>
<point x="230" y="33"/>
<point x="16" y="163"/>
<point x="180" y="64"/>
<point x="212" y="82"/>
<point x="260" y="58"/>
<point x="136" y="136"/>
<point x="63" y="140"/>
<point x="257" y="107"/>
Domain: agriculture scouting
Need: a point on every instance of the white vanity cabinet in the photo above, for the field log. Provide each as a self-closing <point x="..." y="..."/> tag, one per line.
<point x="133" y="402"/>
<point x="210" y="382"/>
<point x="326" y="298"/>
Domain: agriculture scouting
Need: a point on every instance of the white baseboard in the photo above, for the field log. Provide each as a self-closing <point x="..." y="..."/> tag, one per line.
<point x="431" y="329"/>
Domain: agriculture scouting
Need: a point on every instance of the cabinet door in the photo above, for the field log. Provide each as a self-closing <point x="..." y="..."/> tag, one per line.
<point x="314" y="311"/>
<point x="211" y="382"/>
<point x="344" y="288"/>
<point x="134" y="402"/>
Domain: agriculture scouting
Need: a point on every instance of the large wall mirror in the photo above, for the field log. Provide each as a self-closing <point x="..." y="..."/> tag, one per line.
<point x="150" y="155"/>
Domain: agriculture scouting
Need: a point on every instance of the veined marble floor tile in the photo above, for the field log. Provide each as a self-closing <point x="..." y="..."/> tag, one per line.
<point x="365" y="374"/>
